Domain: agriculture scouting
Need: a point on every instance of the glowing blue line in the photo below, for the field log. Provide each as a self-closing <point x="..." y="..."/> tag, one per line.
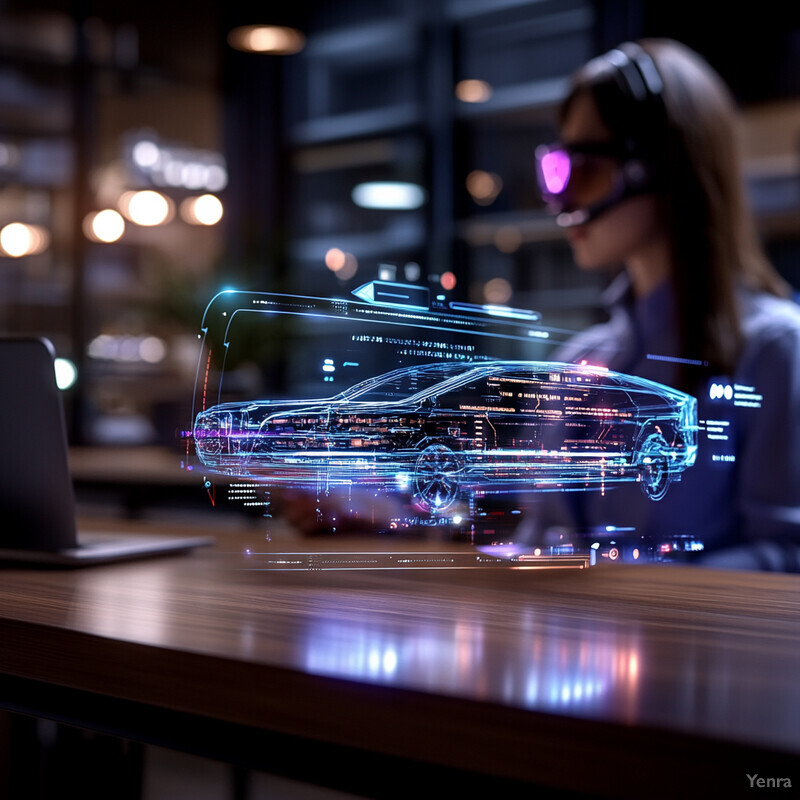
<point x="366" y="306"/>
<point x="441" y="326"/>
<point x="694" y="362"/>
<point x="495" y="310"/>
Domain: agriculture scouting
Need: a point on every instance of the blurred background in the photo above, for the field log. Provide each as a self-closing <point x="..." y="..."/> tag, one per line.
<point x="152" y="154"/>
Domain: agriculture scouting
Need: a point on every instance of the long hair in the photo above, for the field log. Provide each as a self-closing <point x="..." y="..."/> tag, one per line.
<point x="691" y="135"/>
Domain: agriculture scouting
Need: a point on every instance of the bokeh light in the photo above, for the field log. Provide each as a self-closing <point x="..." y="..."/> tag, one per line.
<point x="152" y="349"/>
<point x="507" y="239"/>
<point x="412" y="271"/>
<point x="349" y="268"/>
<point x="66" y="373"/>
<point x="473" y="91"/>
<point x="147" y="208"/>
<point x="389" y="195"/>
<point x="9" y="155"/>
<point x="183" y="167"/>
<point x="497" y="290"/>
<point x="146" y="154"/>
<point x="448" y="281"/>
<point x="345" y="265"/>
<point x="143" y="348"/>
<point x="334" y="259"/>
<point x="272" y="39"/>
<point x="484" y="186"/>
<point x="387" y="272"/>
<point x="18" y="239"/>
<point x="203" y="210"/>
<point x="104" y="226"/>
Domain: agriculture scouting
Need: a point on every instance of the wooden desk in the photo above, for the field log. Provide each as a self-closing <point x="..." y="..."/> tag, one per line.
<point x="622" y="681"/>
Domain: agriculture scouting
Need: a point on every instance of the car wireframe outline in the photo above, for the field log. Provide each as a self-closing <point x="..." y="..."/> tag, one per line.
<point x="441" y="431"/>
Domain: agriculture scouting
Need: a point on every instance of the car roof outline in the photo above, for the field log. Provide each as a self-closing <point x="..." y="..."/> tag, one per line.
<point x="615" y="381"/>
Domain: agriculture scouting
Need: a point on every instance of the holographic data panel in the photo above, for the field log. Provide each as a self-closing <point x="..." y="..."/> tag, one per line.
<point x="436" y="406"/>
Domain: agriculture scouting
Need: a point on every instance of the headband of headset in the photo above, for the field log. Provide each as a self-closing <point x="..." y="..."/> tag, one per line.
<point x="637" y="72"/>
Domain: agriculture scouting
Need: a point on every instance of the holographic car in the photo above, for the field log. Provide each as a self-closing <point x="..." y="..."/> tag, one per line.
<point x="445" y="431"/>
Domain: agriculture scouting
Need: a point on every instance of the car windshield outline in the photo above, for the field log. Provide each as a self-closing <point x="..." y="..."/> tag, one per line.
<point x="357" y="391"/>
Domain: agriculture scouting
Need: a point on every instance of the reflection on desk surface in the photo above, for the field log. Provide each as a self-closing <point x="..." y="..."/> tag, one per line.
<point x="584" y="672"/>
<point x="711" y="653"/>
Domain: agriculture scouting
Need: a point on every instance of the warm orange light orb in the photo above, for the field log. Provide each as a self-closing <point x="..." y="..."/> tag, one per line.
<point x="104" y="226"/>
<point x="272" y="39"/>
<point x="473" y="91"/>
<point x="497" y="291"/>
<point x="18" y="239"/>
<point x="448" y="281"/>
<point x="203" y="210"/>
<point x="334" y="259"/>
<point x="147" y="208"/>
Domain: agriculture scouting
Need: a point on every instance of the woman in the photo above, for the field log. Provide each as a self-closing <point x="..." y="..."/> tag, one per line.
<point x="647" y="176"/>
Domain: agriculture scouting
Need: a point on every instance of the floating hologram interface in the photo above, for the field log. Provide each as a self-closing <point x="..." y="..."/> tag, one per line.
<point x="440" y="432"/>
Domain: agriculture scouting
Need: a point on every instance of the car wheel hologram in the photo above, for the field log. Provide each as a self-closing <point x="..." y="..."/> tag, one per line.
<point x="653" y="459"/>
<point x="436" y="478"/>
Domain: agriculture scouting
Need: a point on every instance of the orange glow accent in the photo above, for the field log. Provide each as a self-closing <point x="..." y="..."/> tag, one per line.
<point x="272" y="39"/>
<point x="484" y="186"/>
<point x="473" y="90"/>
<point x="497" y="290"/>
<point x="448" y="281"/>
<point x="334" y="259"/>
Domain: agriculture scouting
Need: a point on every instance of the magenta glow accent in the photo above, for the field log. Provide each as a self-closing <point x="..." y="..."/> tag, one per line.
<point x="555" y="169"/>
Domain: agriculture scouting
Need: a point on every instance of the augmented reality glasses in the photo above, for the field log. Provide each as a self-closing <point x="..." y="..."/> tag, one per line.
<point x="580" y="181"/>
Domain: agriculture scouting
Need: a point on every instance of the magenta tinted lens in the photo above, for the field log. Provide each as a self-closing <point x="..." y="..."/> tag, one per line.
<point x="554" y="169"/>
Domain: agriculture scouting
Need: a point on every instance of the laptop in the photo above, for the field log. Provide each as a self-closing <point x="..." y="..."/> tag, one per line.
<point x="37" y="502"/>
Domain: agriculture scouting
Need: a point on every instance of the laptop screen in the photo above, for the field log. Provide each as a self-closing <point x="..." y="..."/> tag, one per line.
<point x="36" y="495"/>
